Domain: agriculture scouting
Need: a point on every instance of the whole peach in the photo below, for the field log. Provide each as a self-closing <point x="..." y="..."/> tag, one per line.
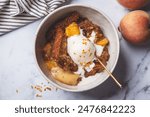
<point x="133" y="4"/>
<point x="135" y="26"/>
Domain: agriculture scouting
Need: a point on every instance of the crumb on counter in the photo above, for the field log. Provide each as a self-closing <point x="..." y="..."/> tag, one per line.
<point x="38" y="87"/>
<point x="42" y="88"/>
<point x="47" y="88"/>
<point x="38" y="95"/>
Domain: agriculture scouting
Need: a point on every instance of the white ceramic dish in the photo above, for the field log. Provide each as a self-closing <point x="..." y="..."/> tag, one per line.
<point x="97" y="17"/>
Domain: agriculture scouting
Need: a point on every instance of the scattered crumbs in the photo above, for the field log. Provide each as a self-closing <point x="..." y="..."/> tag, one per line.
<point x="47" y="88"/>
<point x="38" y="87"/>
<point x="42" y="88"/>
<point x="38" y="95"/>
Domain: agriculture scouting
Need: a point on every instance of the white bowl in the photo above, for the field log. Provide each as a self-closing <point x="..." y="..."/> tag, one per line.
<point x="97" y="17"/>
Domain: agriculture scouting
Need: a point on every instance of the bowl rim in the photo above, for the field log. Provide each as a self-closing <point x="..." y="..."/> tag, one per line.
<point x="68" y="6"/>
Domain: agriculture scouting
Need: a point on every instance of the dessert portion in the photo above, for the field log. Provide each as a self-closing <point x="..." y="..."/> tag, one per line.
<point x="72" y="48"/>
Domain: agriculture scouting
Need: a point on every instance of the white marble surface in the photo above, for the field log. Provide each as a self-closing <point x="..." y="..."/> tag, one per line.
<point x="18" y="70"/>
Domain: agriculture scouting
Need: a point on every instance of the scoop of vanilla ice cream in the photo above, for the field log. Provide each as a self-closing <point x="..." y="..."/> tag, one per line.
<point x="99" y="49"/>
<point x="80" y="49"/>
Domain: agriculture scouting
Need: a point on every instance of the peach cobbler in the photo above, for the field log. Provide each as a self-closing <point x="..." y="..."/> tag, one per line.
<point x="73" y="45"/>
